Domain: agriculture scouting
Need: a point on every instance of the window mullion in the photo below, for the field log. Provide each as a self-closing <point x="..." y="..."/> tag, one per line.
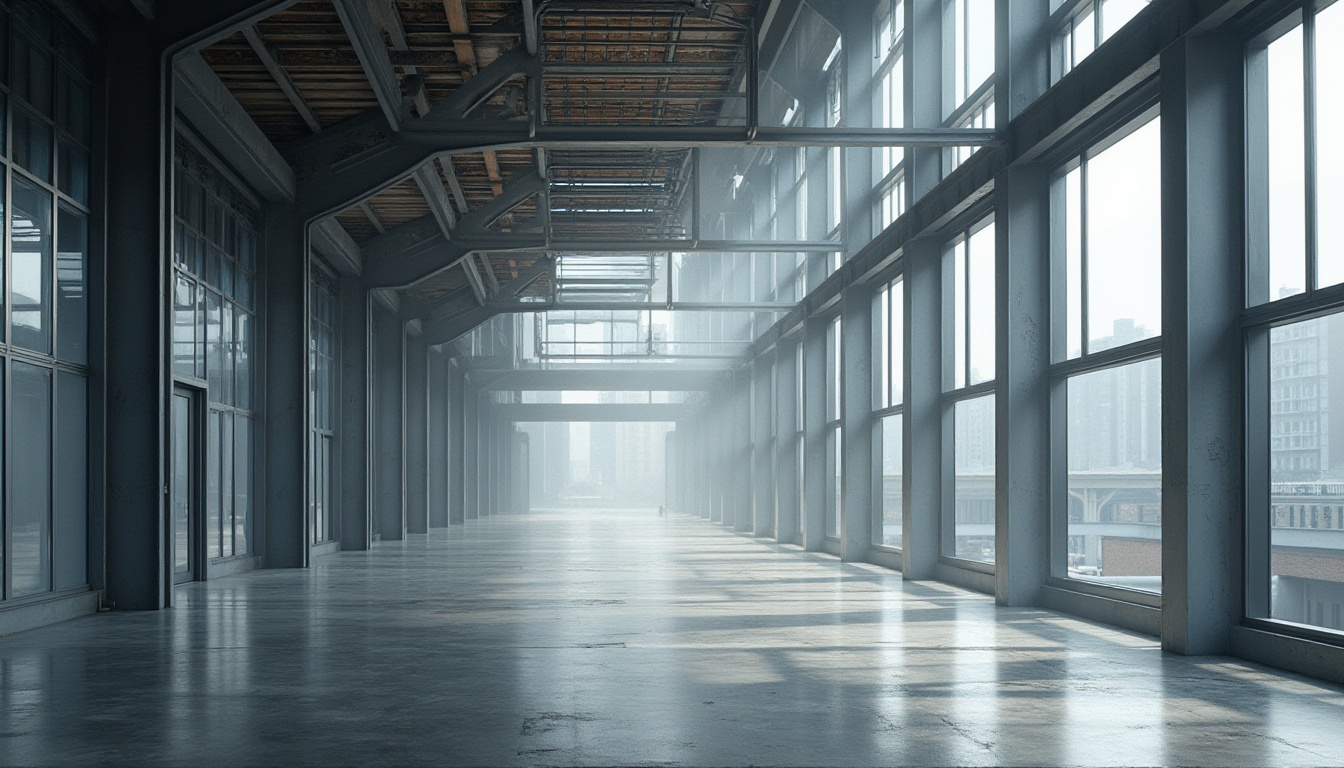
<point x="1309" y="144"/>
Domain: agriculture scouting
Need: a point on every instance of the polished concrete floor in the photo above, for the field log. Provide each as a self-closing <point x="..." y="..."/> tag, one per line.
<point x="623" y="638"/>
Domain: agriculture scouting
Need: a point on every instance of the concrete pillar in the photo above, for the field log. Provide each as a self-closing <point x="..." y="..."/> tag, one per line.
<point x="416" y="445"/>
<point x="924" y="91"/>
<point x="1022" y="389"/>
<point x="285" y="403"/>
<point x="389" y="494"/>
<point x="814" y="433"/>
<point x="856" y="21"/>
<point x="1202" y="357"/>
<point x="356" y="523"/>
<point x="457" y="502"/>
<point x="741" y="480"/>
<point x="437" y="372"/>
<point x="137" y="378"/>
<point x="787" y="481"/>
<point x="922" y="466"/>
<point x="470" y="450"/>
<point x="763" y="459"/>
<point x="858" y="446"/>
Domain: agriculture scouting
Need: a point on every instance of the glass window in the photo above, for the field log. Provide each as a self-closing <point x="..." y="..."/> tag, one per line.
<point x="834" y="481"/>
<point x="1306" y="504"/>
<point x="72" y="293"/>
<point x="972" y="261"/>
<point x="30" y="480"/>
<point x="968" y="35"/>
<point x="30" y="254"/>
<point x="1295" y="176"/>
<point x="1088" y="27"/>
<point x="973" y="499"/>
<point x="889" y="530"/>
<point x="1115" y="476"/>
<point x="185" y="342"/>
<point x="212" y="483"/>
<point x="32" y="143"/>
<point x="1111" y="242"/>
<point x="72" y="492"/>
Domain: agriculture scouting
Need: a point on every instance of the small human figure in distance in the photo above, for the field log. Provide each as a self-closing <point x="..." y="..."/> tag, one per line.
<point x="662" y="511"/>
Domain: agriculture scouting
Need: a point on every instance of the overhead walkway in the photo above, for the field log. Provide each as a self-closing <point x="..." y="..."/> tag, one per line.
<point x="618" y="637"/>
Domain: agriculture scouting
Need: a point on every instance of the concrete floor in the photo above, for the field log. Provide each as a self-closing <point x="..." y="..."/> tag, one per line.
<point x="622" y="638"/>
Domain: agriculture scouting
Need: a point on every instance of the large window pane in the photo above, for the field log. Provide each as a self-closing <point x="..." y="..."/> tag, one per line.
<point x="242" y="485"/>
<point x="30" y="479"/>
<point x="32" y="143"/>
<point x="1306" y="426"/>
<point x="834" y="482"/>
<point x="1329" y="149"/>
<point x="1286" y="195"/>
<point x="980" y="265"/>
<point x="72" y="496"/>
<point x="973" y="479"/>
<point x="1124" y="240"/>
<point x="889" y="532"/>
<point x="72" y="294"/>
<point x="1115" y="476"/>
<point x="30" y="238"/>
<point x="212" y="478"/>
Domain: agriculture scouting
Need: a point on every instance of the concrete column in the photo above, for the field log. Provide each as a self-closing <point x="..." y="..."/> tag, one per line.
<point x="763" y="460"/>
<point x="389" y="493"/>
<point x="1022" y="389"/>
<point x="858" y="446"/>
<point x="814" y="433"/>
<point x="741" y="480"/>
<point x="857" y="186"/>
<point x="137" y="374"/>
<point x="1202" y="361"/>
<point x="924" y="90"/>
<point x="438" y="438"/>
<point x="922" y="466"/>
<point x="787" y="481"/>
<point x="356" y="524"/>
<point x="456" y="444"/>
<point x="416" y="441"/>
<point x="484" y="460"/>
<point x="285" y="404"/>
<point x="471" y="411"/>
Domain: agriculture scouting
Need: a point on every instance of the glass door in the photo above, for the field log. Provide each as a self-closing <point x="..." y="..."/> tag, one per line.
<point x="185" y="472"/>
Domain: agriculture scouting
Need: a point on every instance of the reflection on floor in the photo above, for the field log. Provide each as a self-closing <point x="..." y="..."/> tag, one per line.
<point x="622" y="638"/>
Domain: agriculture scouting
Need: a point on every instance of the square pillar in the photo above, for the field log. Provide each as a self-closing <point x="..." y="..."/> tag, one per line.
<point x="922" y="465"/>
<point x="1203" y="361"/>
<point x="284" y="460"/>
<point x="787" y="480"/>
<point x="1022" y="389"/>
<point x="389" y="492"/>
<point x="439" y="431"/>
<point x="416" y="446"/>
<point x="858" y="437"/>
<point x="813" y="522"/>
<point x="136" y="372"/>
<point x="356" y="328"/>
<point x="763" y="461"/>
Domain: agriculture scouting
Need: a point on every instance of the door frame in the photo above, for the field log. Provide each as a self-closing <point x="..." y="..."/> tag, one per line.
<point x="196" y="567"/>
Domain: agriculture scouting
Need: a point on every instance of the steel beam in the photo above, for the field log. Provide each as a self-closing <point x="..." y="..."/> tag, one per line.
<point x="270" y="59"/>
<point x="213" y="111"/>
<point x="367" y="41"/>
<point x="431" y="187"/>
<point x="330" y="239"/>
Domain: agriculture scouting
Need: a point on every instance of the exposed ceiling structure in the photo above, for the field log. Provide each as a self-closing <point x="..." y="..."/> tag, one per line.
<point x="480" y="157"/>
